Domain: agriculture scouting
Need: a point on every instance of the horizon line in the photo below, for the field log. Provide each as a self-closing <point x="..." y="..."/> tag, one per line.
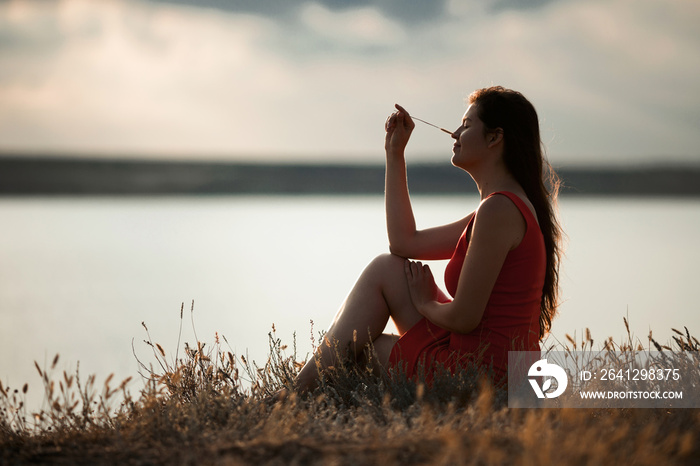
<point x="281" y="160"/>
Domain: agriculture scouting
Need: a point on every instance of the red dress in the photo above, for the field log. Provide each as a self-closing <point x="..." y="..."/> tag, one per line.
<point x="510" y="321"/>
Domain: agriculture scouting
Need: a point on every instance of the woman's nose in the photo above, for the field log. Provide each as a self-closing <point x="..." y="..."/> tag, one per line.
<point x="455" y="134"/>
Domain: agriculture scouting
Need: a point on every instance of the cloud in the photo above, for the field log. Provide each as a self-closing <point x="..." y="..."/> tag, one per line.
<point x="502" y="5"/>
<point x="362" y="29"/>
<point x="275" y="8"/>
<point x="610" y="82"/>
<point x="396" y="9"/>
<point x="620" y="70"/>
<point x="132" y="77"/>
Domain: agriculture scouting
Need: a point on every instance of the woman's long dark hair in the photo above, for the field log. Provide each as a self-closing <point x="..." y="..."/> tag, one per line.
<point x="523" y="155"/>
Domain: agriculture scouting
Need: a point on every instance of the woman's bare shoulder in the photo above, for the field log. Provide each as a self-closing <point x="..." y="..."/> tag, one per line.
<point x="498" y="207"/>
<point x="501" y="218"/>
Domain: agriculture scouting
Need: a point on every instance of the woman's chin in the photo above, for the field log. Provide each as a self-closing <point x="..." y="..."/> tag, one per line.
<point x="456" y="163"/>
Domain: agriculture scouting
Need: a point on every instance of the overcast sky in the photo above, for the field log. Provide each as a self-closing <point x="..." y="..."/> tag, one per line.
<point x="614" y="81"/>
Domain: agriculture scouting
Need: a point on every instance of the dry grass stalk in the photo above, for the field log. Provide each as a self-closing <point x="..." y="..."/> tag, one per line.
<point x="212" y="406"/>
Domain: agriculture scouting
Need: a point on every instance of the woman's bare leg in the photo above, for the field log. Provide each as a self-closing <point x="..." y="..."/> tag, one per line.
<point x="381" y="292"/>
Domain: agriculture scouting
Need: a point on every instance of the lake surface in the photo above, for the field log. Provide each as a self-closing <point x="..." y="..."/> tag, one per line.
<point x="79" y="275"/>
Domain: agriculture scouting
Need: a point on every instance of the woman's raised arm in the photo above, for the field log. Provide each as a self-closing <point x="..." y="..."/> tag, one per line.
<point x="404" y="239"/>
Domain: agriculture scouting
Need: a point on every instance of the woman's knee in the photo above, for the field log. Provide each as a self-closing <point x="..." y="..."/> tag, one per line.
<point x="384" y="269"/>
<point x="387" y="261"/>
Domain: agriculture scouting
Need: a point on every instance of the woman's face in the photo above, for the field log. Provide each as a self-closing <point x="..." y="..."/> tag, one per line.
<point x="471" y="142"/>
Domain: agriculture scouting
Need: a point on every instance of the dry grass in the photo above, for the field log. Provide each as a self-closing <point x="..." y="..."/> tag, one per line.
<point x="213" y="407"/>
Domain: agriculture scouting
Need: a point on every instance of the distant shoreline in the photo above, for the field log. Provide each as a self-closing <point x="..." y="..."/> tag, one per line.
<point x="35" y="175"/>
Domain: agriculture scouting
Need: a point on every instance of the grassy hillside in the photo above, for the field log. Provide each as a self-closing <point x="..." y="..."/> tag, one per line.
<point x="209" y="406"/>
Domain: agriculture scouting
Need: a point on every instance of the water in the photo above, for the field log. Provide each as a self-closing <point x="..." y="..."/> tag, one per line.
<point x="78" y="276"/>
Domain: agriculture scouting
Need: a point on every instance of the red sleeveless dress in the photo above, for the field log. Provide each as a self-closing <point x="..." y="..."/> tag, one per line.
<point x="510" y="321"/>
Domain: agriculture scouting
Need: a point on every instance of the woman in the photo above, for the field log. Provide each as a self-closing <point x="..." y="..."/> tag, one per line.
<point x="502" y="277"/>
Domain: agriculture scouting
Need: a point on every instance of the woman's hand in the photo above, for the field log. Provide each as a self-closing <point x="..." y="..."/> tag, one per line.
<point x="398" y="127"/>
<point x="421" y="284"/>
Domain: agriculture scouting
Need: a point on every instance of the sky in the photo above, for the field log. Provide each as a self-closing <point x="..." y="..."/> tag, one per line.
<point x="615" y="82"/>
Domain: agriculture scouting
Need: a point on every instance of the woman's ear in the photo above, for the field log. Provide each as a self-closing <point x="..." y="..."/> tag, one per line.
<point x="495" y="137"/>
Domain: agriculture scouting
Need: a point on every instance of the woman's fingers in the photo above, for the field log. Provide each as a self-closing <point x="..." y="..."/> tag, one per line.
<point x="417" y="270"/>
<point x="420" y="282"/>
<point x="393" y="117"/>
<point x="405" y="116"/>
<point x="398" y="128"/>
<point x="410" y="269"/>
<point x="400" y="117"/>
<point x="390" y="121"/>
